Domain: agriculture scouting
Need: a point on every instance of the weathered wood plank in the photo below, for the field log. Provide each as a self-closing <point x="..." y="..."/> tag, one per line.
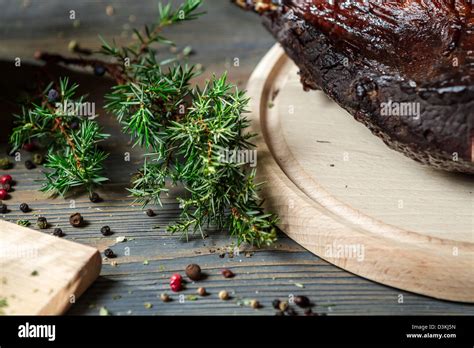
<point x="219" y="37"/>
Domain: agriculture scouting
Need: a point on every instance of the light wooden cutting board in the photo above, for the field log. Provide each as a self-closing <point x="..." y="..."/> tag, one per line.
<point x="345" y="196"/>
<point x="41" y="274"/>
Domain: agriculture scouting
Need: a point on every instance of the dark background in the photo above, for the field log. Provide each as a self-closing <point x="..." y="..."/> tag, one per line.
<point x="223" y="34"/>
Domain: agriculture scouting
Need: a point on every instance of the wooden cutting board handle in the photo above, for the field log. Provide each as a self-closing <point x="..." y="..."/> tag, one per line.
<point x="41" y="274"/>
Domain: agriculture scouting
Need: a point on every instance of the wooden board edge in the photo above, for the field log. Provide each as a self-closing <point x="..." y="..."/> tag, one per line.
<point x="439" y="275"/>
<point x="82" y="280"/>
<point x="88" y="272"/>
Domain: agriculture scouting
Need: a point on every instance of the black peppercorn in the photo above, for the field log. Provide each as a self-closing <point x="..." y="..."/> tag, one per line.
<point x="3" y="208"/>
<point x="150" y="212"/>
<point x="24" y="208"/>
<point x="291" y="312"/>
<point x="76" y="220"/>
<point x="276" y="304"/>
<point x="42" y="223"/>
<point x="94" y="197"/>
<point x="193" y="272"/>
<point x="109" y="253"/>
<point x="302" y="301"/>
<point x="29" y="165"/>
<point x="105" y="230"/>
<point x="58" y="232"/>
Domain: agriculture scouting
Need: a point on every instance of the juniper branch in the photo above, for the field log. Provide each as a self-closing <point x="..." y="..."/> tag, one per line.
<point x="73" y="157"/>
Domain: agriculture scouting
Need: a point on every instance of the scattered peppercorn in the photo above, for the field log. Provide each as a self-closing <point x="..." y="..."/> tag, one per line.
<point x="76" y="220"/>
<point x="6" y="179"/>
<point x="176" y="282"/>
<point x="254" y="304"/>
<point x="42" y="223"/>
<point x="3" y="194"/>
<point x="276" y="303"/>
<point x="99" y="70"/>
<point x="223" y="295"/>
<point x="38" y="159"/>
<point x="283" y="306"/>
<point x="53" y="95"/>
<point x="202" y="291"/>
<point x="7" y="187"/>
<point x="109" y="253"/>
<point x="5" y="163"/>
<point x="222" y="255"/>
<point x="94" y="197"/>
<point x="58" y="232"/>
<point x="302" y="301"/>
<point x="106" y="231"/>
<point x="227" y="273"/>
<point x="3" y="208"/>
<point x="29" y="165"/>
<point x="291" y="312"/>
<point x="150" y="212"/>
<point x="193" y="272"/>
<point x="24" y="208"/>
<point x="24" y="223"/>
<point x="165" y="297"/>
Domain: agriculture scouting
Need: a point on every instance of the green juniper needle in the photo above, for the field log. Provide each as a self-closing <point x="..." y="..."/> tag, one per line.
<point x="186" y="130"/>
<point x="73" y="158"/>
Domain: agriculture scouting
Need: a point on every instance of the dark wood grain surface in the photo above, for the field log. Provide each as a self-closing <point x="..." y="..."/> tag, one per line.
<point x="150" y="256"/>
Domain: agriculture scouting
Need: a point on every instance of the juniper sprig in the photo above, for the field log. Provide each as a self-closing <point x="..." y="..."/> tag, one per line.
<point x="186" y="130"/>
<point x="73" y="159"/>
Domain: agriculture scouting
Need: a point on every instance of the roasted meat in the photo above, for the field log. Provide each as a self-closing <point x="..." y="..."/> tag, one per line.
<point x="403" y="68"/>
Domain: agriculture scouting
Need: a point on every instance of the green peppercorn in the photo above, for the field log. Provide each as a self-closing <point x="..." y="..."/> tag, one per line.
<point x="38" y="159"/>
<point x="42" y="223"/>
<point x="5" y="163"/>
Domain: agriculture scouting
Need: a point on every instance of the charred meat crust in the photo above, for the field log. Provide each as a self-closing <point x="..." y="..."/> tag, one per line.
<point x="364" y="68"/>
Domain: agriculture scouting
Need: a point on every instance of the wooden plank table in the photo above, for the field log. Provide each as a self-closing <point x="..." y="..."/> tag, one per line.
<point x="222" y="35"/>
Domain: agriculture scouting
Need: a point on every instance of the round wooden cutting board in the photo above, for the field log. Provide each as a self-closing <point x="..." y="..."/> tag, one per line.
<point x="344" y="195"/>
